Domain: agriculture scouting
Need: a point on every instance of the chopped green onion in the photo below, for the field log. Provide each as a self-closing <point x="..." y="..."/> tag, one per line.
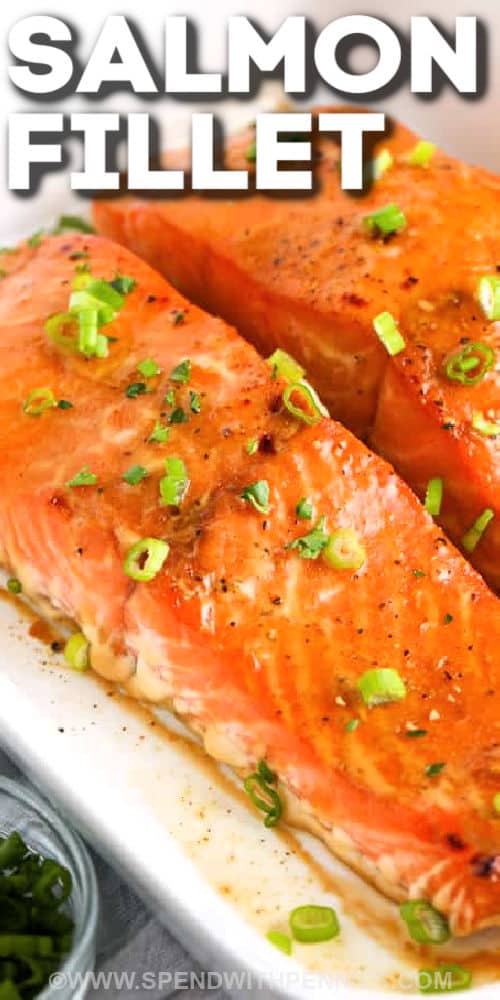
<point x="257" y="494"/>
<point x="145" y="559"/>
<point x="148" y="368"/>
<point x="35" y="240"/>
<point x="469" y="365"/>
<point x="38" y="401"/>
<point x="87" y="332"/>
<point x="304" y="509"/>
<point x="418" y="573"/>
<point x="284" y="365"/>
<point x="352" y="725"/>
<point x="258" y="787"/>
<point x="434" y="497"/>
<point x="496" y="798"/>
<point x="169" y="397"/>
<point x="178" y="317"/>
<point x="76" y="652"/>
<point x="448" y="619"/>
<point x="251" y="152"/>
<point x="432" y="770"/>
<point x="123" y="284"/>
<point x="72" y="223"/>
<point x="14" y="585"/>
<point x="447" y="978"/>
<point x="388" y="333"/>
<point x="279" y="940"/>
<point x="252" y="446"/>
<point x="99" y="290"/>
<point x="194" y="402"/>
<point x="62" y="330"/>
<point x="312" y="409"/>
<point x="64" y="404"/>
<point x="415" y="734"/>
<point x="473" y="536"/>
<point x="311" y="924"/>
<point x="385" y="221"/>
<point x="182" y="372"/>
<point x="159" y="433"/>
<point x="421" y="154"/>
<point x="380" y="686"/>
<point x="381" y="164"/>
<point x="344" y="550"/>
<point x="425" y="924"/>
<point x="488" y="294"/>
<point x="136" y="389"/>
<point x="488" y="428"/>
<point x="135" y="475"/>
<point x="83" y="478"/>
<point x="174" y="486"/>
<point x="178" y="416"/>
<point x="311" y="546"/>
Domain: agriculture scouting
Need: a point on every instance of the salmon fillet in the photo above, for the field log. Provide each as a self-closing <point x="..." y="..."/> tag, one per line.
<point x="304" y="274"/>
<point x="256" y="644"/>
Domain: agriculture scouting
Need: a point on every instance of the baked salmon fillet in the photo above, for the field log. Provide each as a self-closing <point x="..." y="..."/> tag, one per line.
<point x="228" y="550"/>
<point x="312" y="275"/>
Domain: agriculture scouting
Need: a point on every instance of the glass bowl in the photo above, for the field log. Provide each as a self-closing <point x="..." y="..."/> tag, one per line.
<point x="22" y="809"/>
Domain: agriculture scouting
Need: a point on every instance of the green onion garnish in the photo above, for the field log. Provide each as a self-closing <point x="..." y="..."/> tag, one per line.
<point x="473" y="536"/>
<point x="447" y="619"/>
<point x="425" y="924"/>
<point x="182" y="372"/>
<point x="169" y="397"/>
<point x="178" y="416"/>
<point x="252" y="446"/>
<point x="38" y="401"/>
<point x="447" y="978"/>
<point x="123" y="284"/>
<point x="64" y="404"/>
<point x="257" y="494"/>
<point x="311" y="546"/>
<point x="178" y="317"/>
<point x="284" y="365"/>
<point x="135" y="475"/>
<point x="35" y="240"/>
<point x="76" y="652"/>
<point x="352" y="725"/>
<point x="72" y="223"/>
<point x="432" y="770"/>
<point x="469" y="365"/>
<point x="310" y="408"/>
<point x="175" y="484"/>
<point x="148" y="368"/>
<point x="304" y="509"/>
<point x="259" y="787"/>
<point x="311" y="924"/>
<point x="194" y="402"/>
<point x="382" y="163"/>
<point x="14" y="585"/>
<point x="251" y="152"/>
<point x="83" y="478"/>
<point x="136" y="389"/>
<point x="380" y="686"/>
<point x="93" y="303"/>
<point x="385" y="221"/>
<point x="434" y="497"/>
<point x="488" y="294"/>
<point x="159" y="433"/>
<point x="488" y="428"/>
<point x="281" y="941"/>
<point x="145" y="559"/>
<point x="388" y="333"/>
<point x="343" y="550"/>
<point x="421" y="154"/>
<point x="416" y="734"/>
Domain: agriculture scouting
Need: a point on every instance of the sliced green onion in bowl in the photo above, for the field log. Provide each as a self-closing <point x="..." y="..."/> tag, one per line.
<point x="425" y="924"/>
<point x="434" y="497"/>
<point x="145" y="559"/>
<point x="38" y="401"/>
<point x="475" y="533"/>
<point x="447" y="978"/>
<point x="385" y="221"/>
<point x="488" y="428"/>
<point x="284" y="365"/>
<point x="311" y="924"/>
<point x="421" y="154"/>
<point x="388" y="333"/>
<point x="76" y="652"/>
<point x="380" y="686"/>
<point x="257" y="494"/>
<point x="344" y="550"/>
<point x="312" y="410"/>
<point x="488" y="295"/>
<point x="280" y="941"/>
<point x="175" y="484"/>
<point x="469" y="365"/>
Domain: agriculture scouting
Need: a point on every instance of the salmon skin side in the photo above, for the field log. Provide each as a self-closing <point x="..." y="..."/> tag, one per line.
<point x="259" y="649"/>
<point x="308" y="277"/>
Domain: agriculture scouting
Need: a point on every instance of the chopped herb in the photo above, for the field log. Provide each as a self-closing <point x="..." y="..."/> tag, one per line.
<point x="415" y="734"/>
<point x="175" y="484"/>
<point x="251" y="152"/>
<point x="418" y="573"/>
<point x="304" y="509"/>
<point x="148" y="368"/>
<point x="284" y="365"/>
<point x="281" y="941"/>
<point x="79" y="255"/>
<point x="35" y="240"/>
<point x="448" y="426"/>
<point x="386" y="221"/>
<point x="64" y="404"/>
<point x="181" y="373"/>
<point x="380" y="686"/>
<point x="259" y="788"/>
<point x="252" y="446"/>
<point x="83" y="478"/>
<point x="135" y="474"/>
<point x="257" y="494"/>
<point x="421" y="154"/>
<point x="433" y="769"/>
<point x="178" y="416"/>
<point x="473" y="536"/>
<point x="352" y="725"/>
<point x="136" y="389"/>
<point x="123" y="284"/>
<point x="160" y="433"/>
<point x="448" y="619"/>
<point x="434" y="497"/>
<point x="72" y="223"/>
<point x="169" y="397"/>
<point x="311" y="546"/>
<point x="178" y="317"/>
<point x="194" y="402"/>
<point x="14" y="585"/>
<point x="387" y="331"/>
